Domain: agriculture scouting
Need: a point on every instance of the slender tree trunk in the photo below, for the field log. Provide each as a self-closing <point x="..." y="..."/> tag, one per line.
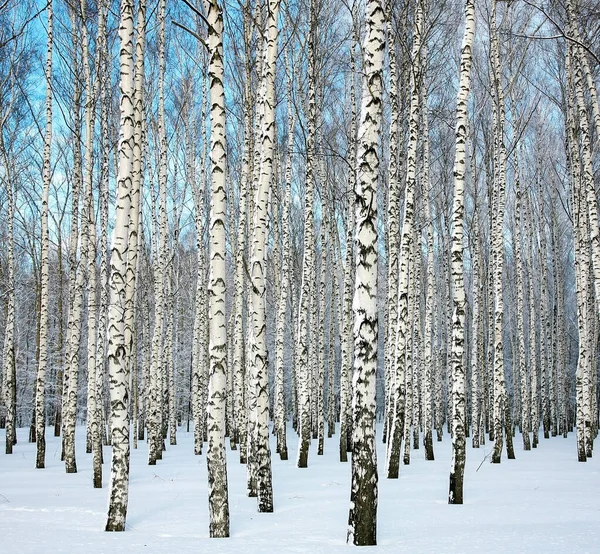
<point x="156" y="408"/>
<point x="9" y="391"/>
<point x="284" y="291"/>
<point x="349" y="271"/>
<point x="459" y="413"/>
<point x="403" y="338"/>
<point x="117" y="348"/>
<point x="40" y="397"/>
<point x="362" y="519"/>
<point x="215" y="457"/>
<point x="497" y="245"/>
<point x="304" y="359"/>
<point x="258" y="264"/>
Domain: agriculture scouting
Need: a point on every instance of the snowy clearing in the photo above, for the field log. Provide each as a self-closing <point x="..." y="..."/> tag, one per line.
<point x="542" y="502"/>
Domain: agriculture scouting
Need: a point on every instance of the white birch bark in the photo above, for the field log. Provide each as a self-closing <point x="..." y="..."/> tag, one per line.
<point x="78" y="273"/>
<point x="117" y="348"/>
<point x="98" y="432"/>
<point x="402" y="331"/>
<point x="581" y="260"/>
<point x="284" y="291"/>
<point x="215" y="458"/>
<point x="520" y="358"/>
<point x="393" y="225"/>
<point x="459" y="413"/>
<point x="258" y="263"/>
<point x="321" y="358"/>
<point x="90" y="118"/>
<point x="362" y="519"/>
<point x="239" y="270"/>
<point x="304" y="358"/>
<point x="156" y="385"/>
<point x="428" y="359"/>
<point x="200" y="346"/>
<point x="497" y="245"/>
<point x="8" y="393"/>
<point x="532" y="359"/>
<point x="40" y="383"/>
<point x="349" y="271"/>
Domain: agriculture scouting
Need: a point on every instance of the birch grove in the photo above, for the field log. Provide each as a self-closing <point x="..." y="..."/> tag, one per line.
<point x="293" y="225"/>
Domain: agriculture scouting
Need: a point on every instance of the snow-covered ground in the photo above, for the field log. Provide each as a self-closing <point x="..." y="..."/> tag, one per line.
<point x="542" y="502"/>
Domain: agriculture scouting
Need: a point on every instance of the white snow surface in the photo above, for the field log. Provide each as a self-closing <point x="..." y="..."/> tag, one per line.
<point x="542" y="502"/>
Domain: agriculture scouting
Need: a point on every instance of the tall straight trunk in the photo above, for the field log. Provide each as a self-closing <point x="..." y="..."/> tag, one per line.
<point x="239" y="426"/>
<point x="9" y="391"/>
<point x="133" y="252"/>
<point x="408" y="356"/>
<point x="40" y="384"/>
<point x="258" y="264"/>
<point x="135" y="219"/>
<point x="393" y="224"/>
<point x="545" y="339"/>
<point x="581" y="259"/>
<point x="215" y="457"/>
<point x="156" y="408"/>
<point x="117" y="348"/>
<point x="459" y="413"/>
<point x="477" y="339"/>
<point x="521" y="362"/>
<point x="284" y="291"/>
<point x="362" y="519"/>
<point x="90" y="222"/>
<point x="497" y="239"/>
<point x="428" y="356"/>
<point x="403" y="338"/>
<point x="200" y="335"/>
<point x="304" y="359"/>
<point x="97" y="420"/>
<point x="333" y="331"/>
<point x="78" y="267"/>
<point x="349" y="271"/>
<point x="532" y="358"/>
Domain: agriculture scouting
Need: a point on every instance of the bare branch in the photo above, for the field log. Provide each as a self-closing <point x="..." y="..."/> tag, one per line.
<point x="195" y="35"/>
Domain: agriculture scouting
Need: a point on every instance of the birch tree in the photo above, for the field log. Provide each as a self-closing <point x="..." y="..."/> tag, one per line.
<point x="40" y="387"/>
<point x="362" y="519"/>
<point x="117" y="348"/>
<point x="455" y="495"/>
<point x="258" y="262"/>
<point x="8" y="356"/>
<point x="398" y="379"/>
<point x="215" y="457"/>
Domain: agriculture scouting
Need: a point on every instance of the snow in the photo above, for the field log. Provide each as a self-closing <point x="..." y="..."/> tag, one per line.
<point x="542" y="502"/>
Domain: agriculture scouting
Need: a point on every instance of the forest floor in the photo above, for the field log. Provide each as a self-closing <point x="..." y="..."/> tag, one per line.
<point x="542" y="502"/>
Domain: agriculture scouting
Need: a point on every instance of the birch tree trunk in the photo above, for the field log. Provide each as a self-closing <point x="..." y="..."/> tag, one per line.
<point x="457" y="470"/>
<point x="403" y="338"/>
<point x="78" y="271"/>
<point x="258" y="263"/>
<point x="98" y="431"/>
<point x="117" y="347"/>
<point x="9" y="376"/>
<point x="40" y="385"/>
<point x="239" y="274"/>
<point x="497" y="245"/>
<point x="393" y="224"/>
<point x="215" y="458"/>
<point x="349" y="271"/>
<point x="155" y="412"/>
<point x="304" y="365"/>
<point x="522" y="366"/>
<point x="284" y="291"/>
<point x="362" y="519"/>
<point x="428" y="359"/>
